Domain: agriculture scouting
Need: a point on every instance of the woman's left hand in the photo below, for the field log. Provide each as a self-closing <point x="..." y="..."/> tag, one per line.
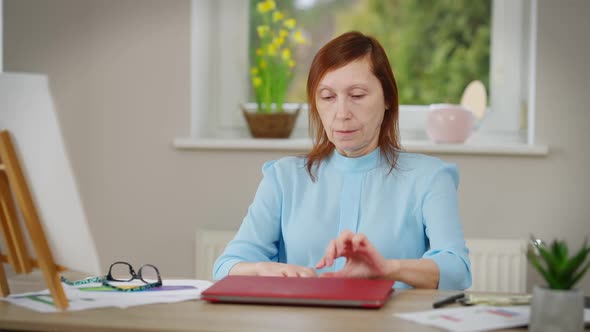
<point x="362" y="258"/>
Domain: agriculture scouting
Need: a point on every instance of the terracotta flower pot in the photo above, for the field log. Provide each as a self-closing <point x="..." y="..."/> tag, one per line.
<point x="270" y="125"/>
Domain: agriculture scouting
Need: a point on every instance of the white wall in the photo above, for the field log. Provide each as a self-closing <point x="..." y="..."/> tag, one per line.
<point x="1" y="35"/>
<point x="119" y="71"/>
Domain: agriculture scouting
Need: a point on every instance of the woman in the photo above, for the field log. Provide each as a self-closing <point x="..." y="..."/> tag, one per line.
<point x="356" y="205"/>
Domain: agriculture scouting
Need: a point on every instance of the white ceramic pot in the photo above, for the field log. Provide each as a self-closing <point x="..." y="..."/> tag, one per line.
<point x="555" y="310"/>
<point x="449" y="123"/>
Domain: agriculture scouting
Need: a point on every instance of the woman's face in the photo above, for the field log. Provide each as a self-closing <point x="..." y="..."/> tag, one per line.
<point x="351" y="106"/>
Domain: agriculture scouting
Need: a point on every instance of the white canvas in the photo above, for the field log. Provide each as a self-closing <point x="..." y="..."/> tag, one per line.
<point x="27" y="111"/>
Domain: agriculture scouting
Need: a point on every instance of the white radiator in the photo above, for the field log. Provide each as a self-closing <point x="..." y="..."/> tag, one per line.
<point x="209" y="245"/>
<point x="497" y="265"/>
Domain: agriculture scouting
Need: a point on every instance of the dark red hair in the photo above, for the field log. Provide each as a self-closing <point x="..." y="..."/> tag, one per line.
<point x="339" y="52"/>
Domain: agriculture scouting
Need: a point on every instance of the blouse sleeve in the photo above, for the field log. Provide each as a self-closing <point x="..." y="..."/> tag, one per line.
<point x="257" y="239"/>
<point x="443" y="228"/>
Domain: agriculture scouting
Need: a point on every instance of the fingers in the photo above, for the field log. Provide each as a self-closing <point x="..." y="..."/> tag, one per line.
<point x="272" y="269"/>
<point x="272" y="273"/>
<point x="344" y="245"/>
<point x="329" y="256"/>
<point x="321" y="264"/>
<point x="359" y="241"/>
<point x="306" y="272"/>
<point x="287" y="272"/>
<point x="297" y="271"/>
<point x="338" y="247"/>
<point x="330" y="253"/>
<point x="338" y="274"/>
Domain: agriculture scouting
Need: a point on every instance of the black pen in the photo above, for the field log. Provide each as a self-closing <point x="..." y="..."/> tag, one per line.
<point x="448" y="300"/>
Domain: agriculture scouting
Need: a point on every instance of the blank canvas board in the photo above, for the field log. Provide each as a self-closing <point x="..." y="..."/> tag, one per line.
<point x="27" y="111"/>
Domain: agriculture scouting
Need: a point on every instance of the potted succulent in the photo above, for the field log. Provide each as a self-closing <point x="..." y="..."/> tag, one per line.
<point x="272" y="72"/>
<point x="559" y="306"/>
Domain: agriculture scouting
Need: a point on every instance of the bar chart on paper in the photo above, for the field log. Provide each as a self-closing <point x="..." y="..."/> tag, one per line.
<point x="477" y="318"/>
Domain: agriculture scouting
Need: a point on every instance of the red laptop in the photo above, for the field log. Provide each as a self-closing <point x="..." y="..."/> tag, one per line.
<point x="344" y="292"/>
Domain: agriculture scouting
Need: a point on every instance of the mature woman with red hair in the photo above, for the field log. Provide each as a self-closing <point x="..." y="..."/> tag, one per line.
<point x="356" y="205"/>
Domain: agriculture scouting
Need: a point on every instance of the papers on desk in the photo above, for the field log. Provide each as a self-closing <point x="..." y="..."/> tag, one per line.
<point x="90" y="296"/>
<point x="475" y="318"/>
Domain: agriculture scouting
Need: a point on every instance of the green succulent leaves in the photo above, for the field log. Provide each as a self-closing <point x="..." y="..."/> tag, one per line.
<point x="556" y="266"/>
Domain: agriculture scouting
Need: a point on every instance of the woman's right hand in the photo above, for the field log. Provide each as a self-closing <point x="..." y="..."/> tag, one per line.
<point x="272" y="269"/>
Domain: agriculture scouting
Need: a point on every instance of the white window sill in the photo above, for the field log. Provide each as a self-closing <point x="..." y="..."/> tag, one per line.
<point x="476" y="145"/>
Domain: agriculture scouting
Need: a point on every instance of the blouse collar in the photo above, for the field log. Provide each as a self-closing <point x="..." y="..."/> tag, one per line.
<point x="364" y="163"/>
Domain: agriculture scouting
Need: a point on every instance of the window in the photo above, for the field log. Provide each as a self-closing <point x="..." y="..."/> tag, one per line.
<point x="435" y="48"/>
<point x="220" y="66"/>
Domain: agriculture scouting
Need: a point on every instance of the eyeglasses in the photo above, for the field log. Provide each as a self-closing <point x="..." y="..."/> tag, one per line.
<point x="124" y="272"/>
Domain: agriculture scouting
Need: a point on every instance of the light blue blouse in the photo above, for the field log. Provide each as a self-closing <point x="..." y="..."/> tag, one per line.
<point x="409" y="213"/>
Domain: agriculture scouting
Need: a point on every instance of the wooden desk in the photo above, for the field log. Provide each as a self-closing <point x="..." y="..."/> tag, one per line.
<point x="202" y="316"/>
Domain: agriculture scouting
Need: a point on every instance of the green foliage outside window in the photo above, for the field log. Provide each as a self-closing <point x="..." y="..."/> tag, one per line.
<point x="436" y="47"/>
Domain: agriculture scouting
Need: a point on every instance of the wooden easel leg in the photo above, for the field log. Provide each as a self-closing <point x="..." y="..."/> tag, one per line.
<point x="54" y="284"/>
<point x="18" y="256"/>
<point x="11" y="258"/>
<point x="24" y="199"/>
<point x="4" y="290"/>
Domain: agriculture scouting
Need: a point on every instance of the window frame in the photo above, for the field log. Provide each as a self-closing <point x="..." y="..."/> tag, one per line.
<point x="219" y="50"/>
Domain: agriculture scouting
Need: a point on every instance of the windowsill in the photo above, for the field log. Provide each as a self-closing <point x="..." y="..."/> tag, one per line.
<point x="476" y="145"/>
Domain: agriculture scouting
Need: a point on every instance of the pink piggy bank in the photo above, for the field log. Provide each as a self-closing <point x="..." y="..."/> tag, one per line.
<point x="448" y="123"/>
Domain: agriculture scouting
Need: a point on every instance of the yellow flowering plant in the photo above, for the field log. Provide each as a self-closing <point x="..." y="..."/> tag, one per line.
<point x="273" y="64"/>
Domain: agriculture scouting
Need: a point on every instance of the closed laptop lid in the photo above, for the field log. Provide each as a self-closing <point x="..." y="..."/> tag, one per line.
<point x="370" y="293"/>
